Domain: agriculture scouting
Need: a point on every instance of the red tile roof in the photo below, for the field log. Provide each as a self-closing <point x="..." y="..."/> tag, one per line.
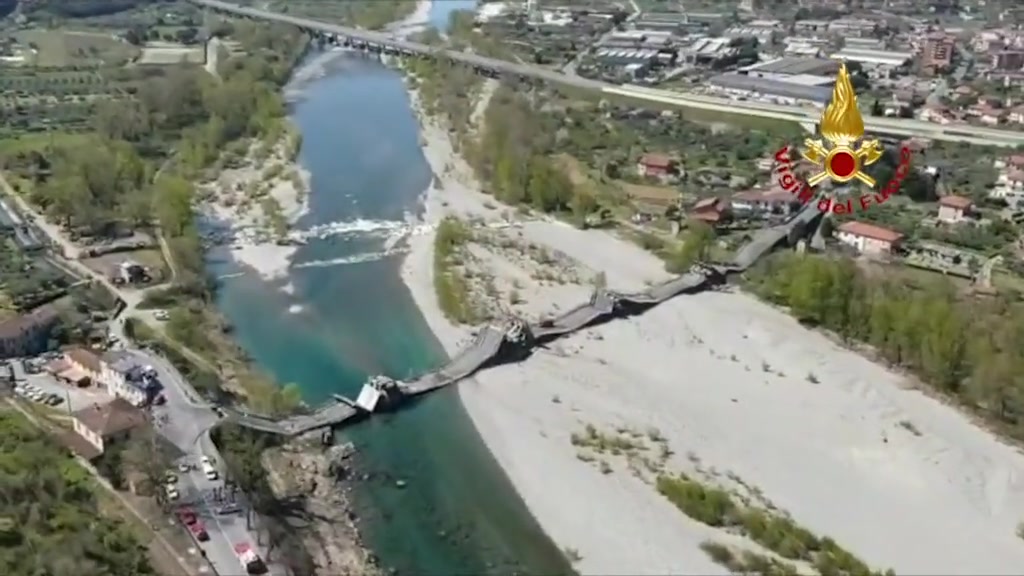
<point x="657" y="161"/>
<point x="958" y="202"/>
<point x="871" y="231"/>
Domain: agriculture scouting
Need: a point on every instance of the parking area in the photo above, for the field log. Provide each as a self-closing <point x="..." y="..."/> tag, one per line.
<point x="34" y="384"/>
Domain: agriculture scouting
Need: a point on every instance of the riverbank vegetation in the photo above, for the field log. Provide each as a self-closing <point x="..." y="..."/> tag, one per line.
<point x="452" y="288"/>
<point x="774" y="531"/>
<point x="50" y="518"/>
<point x="968" y="349"/>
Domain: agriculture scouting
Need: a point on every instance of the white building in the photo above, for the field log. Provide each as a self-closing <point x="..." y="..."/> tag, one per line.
<point x="124" y="378"/>
<point x="882" y="58"/>
<point x="868" y="238"/>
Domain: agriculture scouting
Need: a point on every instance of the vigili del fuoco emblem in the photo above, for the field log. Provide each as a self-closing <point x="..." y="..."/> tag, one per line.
<point x="842" y="127"/>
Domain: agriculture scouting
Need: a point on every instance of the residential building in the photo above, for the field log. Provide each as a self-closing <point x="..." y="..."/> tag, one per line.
<point x="85" y="364"/>
<point x="868" y="238"/>
<point x="1008" y="60"/>
<point x="712" y="211"/>
<point x="102" y="425"/>
<point x="27" y="334"/>
<point x="658" y="166"/>
<point x="937" y="53"/>
<point x="954" y="209"/>
<point x="124" y="378"/>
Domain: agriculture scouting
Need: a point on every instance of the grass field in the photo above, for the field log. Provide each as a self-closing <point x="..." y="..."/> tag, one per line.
<point x="38" y="141"/>
<point x="69" y="48"/>
<point x="660" y="195"/>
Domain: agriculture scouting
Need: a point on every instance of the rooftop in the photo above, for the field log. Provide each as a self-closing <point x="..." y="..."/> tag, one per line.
<point x="958" y="202"/>
<point x="794" y="65"/>
<point x="890" y="57"/>
<point x="769" y="87"/>
<point x="871" y="231"/>
<point x="20" y="325"/>
<point x="112" y="418"/>
<point x="85" y="358"/>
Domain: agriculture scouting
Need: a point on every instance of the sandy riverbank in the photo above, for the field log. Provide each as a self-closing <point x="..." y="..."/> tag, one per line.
<point x="739" y="391"/>
<point x="259" y="200"/>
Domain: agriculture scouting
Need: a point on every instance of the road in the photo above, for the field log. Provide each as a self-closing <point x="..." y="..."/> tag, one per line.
<point x="807" y="116"/>
<point x="185" y="421"/>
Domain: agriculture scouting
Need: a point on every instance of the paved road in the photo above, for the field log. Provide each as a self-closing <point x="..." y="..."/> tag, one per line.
<point x="185" y="420"/>
<point x="809" y="116"/>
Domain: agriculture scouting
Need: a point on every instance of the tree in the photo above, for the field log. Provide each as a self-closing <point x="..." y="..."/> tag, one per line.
<point x="148" y="454"/>
<point x="695" y="248"/>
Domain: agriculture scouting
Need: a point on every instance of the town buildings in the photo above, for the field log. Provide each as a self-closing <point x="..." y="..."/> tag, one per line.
<point x="117" y="372"/>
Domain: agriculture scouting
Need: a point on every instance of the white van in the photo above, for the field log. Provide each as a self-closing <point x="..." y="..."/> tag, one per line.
<point x="209" y="470"/>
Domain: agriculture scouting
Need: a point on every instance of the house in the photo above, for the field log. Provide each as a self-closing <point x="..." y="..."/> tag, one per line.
<point x="658" y="166"/>
<point x="129" y="272"/>
<point x="67" y="372"/>
<point x="124" y="378"/>
<point x="27" y="334"/>
<point x="712" y="211"/>
<point x="954" y="209"/>
<point x="868" y="238"/>
<point x="764" y="202"/>
<point x="102" y="425"/>
<point x="84" y="364"/>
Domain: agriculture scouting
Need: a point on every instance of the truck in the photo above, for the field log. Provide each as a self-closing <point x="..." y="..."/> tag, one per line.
<point x="249" y="559"/>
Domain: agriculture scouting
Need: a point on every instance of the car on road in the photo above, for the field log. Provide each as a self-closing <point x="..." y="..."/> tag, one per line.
<point x="161" y="315"/>
<point x="195" y="527"/>
<point x="199" y="531"/>
<point x="186" y="515"/>
<point x="184" y="468"/>
<point x="249" y="559"/>
<point x="228" y="509"/>
<point x="172" y="492"/>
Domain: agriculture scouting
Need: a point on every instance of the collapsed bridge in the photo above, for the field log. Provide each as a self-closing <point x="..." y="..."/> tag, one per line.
<point x="513" y="340"/>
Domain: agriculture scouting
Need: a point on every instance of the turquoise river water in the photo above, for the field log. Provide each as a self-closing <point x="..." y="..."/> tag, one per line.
<point x="348" y="316"/>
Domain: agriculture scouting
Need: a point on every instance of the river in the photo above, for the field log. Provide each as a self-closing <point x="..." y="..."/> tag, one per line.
<point x="344" y="314"/>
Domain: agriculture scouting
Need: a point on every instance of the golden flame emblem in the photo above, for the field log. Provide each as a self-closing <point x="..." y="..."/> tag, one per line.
<point x="842" y="126"/>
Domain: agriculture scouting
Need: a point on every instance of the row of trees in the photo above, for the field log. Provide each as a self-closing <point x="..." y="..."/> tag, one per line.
<point x="970" y="349"/>
<point x="50" y="521"/>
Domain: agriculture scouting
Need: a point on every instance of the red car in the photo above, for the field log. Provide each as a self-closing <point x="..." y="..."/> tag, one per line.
<point x="198" y="531"/>
<point x="186" y="516"/>
<point x="189" y="519"/>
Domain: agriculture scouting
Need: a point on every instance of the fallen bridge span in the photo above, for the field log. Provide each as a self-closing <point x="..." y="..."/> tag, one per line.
<point x="514" y="339"/>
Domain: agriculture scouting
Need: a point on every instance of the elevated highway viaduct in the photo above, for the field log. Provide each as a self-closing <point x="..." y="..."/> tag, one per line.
<point x="805" y="116"/>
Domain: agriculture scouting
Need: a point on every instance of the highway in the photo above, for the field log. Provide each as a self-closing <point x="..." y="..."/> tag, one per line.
<point x="807" y="116"/>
